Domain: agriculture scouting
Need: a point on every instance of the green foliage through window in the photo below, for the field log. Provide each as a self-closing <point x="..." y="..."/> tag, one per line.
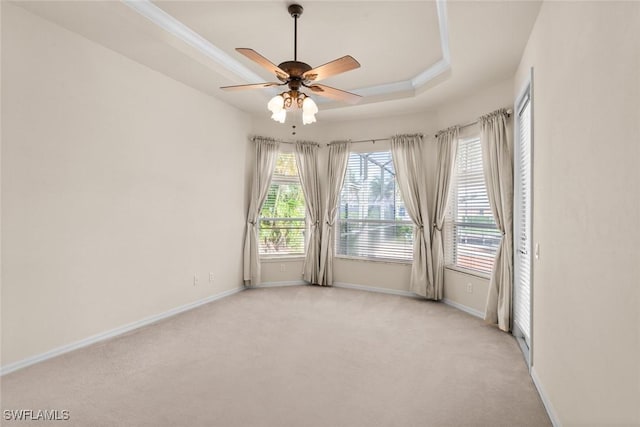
<point x="282" y="217"/>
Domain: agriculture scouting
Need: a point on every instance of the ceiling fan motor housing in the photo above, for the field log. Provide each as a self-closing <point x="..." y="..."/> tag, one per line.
<point x="296" y="70"/>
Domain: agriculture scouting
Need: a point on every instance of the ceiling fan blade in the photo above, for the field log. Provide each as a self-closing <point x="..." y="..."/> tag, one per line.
<point x="333" y="93"/>
<point x="264" y="62"/>
<point x="252" y="86"/>
<point x="340" y="65"/>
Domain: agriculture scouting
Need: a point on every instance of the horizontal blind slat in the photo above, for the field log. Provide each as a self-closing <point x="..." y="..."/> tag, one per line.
<point x="282" y="224"/>
<point x="373" y="221"/>
<point x="522" y="220"/>
<point x="471" y="235"/>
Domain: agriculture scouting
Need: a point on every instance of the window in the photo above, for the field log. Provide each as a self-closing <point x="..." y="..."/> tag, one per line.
<point x="373" y="222"/>
<point x="282" y="217"/>
<point x="472" y="235"/>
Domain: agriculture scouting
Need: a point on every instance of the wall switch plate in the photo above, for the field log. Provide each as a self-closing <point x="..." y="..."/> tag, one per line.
<point x="470" y="288"/>
<point x="196" y="279"/>
<point x="283" y="267"/>
<point x="210" y="277"/>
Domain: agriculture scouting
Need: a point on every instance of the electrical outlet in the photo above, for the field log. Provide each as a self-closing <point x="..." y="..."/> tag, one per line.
<point x="283" y="267"/>
<point x="196" y="279"/>
<point x="470" y="288"/>
<point x="210" y="277"/>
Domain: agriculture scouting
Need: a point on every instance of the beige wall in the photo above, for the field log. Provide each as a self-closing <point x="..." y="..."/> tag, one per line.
<point x="457" y="289"/>
<point x="393" y="276"/>
<point x="118" y="184"/>
<point x="282" y="271"/>
<point x="468" y="108"/>
<point x="586" y="190"/>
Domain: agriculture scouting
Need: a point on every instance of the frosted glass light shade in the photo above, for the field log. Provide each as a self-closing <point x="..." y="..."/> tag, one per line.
<point x="276" y="104"/>
<point x="308" y="118"/>
<point x="309" y="107"/>
<point x="280" y="116"/>
<point x="279" y="104"/>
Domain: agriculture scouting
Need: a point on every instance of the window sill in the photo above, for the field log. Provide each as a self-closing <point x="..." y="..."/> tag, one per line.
<point x="468" y="272"/>
<point x="282" y="258"/>
<point x="376" y="260"/>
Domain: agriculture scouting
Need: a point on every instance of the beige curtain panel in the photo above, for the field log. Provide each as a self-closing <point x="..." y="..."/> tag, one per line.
<point x="497" y="158"/>
<point x="408" y="161"/>
<point x="266" y="153"/>
<point x="447" y="146"/>
<point x="307" y="160"/>
<point x="338" y="158"/>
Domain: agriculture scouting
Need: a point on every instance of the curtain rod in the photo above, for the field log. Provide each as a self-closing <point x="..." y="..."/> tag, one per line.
<point x="373" y="140"/>
<point x="253" y="139"/>
<point x="466" y="125"/>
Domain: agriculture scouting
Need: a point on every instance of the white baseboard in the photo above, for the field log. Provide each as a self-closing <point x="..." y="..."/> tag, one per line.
<point x="279" y="284"/>
<point x="111" y="333"/>
<point x="545" y="399"/>
<point x="374" y="289"/>
<point x="466" y="309"/>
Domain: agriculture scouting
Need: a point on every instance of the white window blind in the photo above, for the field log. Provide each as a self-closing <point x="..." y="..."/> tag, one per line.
<point x="373" y="222"/>
<point x="471" y="232"/>
<point x="282" y="217"/>
<point x="522" y="219"/>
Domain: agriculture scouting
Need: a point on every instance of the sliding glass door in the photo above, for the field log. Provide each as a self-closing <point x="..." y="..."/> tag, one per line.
<point x="522" y="219"/>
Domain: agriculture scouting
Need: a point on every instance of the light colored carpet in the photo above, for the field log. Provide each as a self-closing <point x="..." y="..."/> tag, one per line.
<point x="292" y="356"/>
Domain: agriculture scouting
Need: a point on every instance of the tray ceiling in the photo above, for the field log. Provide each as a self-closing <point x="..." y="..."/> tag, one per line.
<point x="414" y="54"/>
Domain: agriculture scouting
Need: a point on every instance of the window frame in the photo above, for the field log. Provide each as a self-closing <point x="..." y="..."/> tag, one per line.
<point x="450" y="223"/>
<point x="338" y="221"/>
<point x="283" y="179"/>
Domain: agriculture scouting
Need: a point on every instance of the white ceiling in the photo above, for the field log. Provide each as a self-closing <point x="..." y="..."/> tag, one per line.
<point x="414" y="54"/>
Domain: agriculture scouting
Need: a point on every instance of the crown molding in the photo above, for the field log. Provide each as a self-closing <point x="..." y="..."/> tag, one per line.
<point x="384" y="91"/>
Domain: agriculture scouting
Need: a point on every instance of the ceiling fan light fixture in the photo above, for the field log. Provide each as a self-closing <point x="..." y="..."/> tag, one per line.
<point x="280" y="116"/>
<point x="307" y="119"/>
<point x="296" y="74"/>
<point x="289" y="97"/>
<point x="309" y="106"/>
<point x="309" y="110"/>
<point x="279" y="104"/>
<point x="276" y="104"/>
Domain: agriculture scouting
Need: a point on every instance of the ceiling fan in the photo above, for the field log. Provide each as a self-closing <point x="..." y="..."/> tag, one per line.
<point x="295" y="75"/>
